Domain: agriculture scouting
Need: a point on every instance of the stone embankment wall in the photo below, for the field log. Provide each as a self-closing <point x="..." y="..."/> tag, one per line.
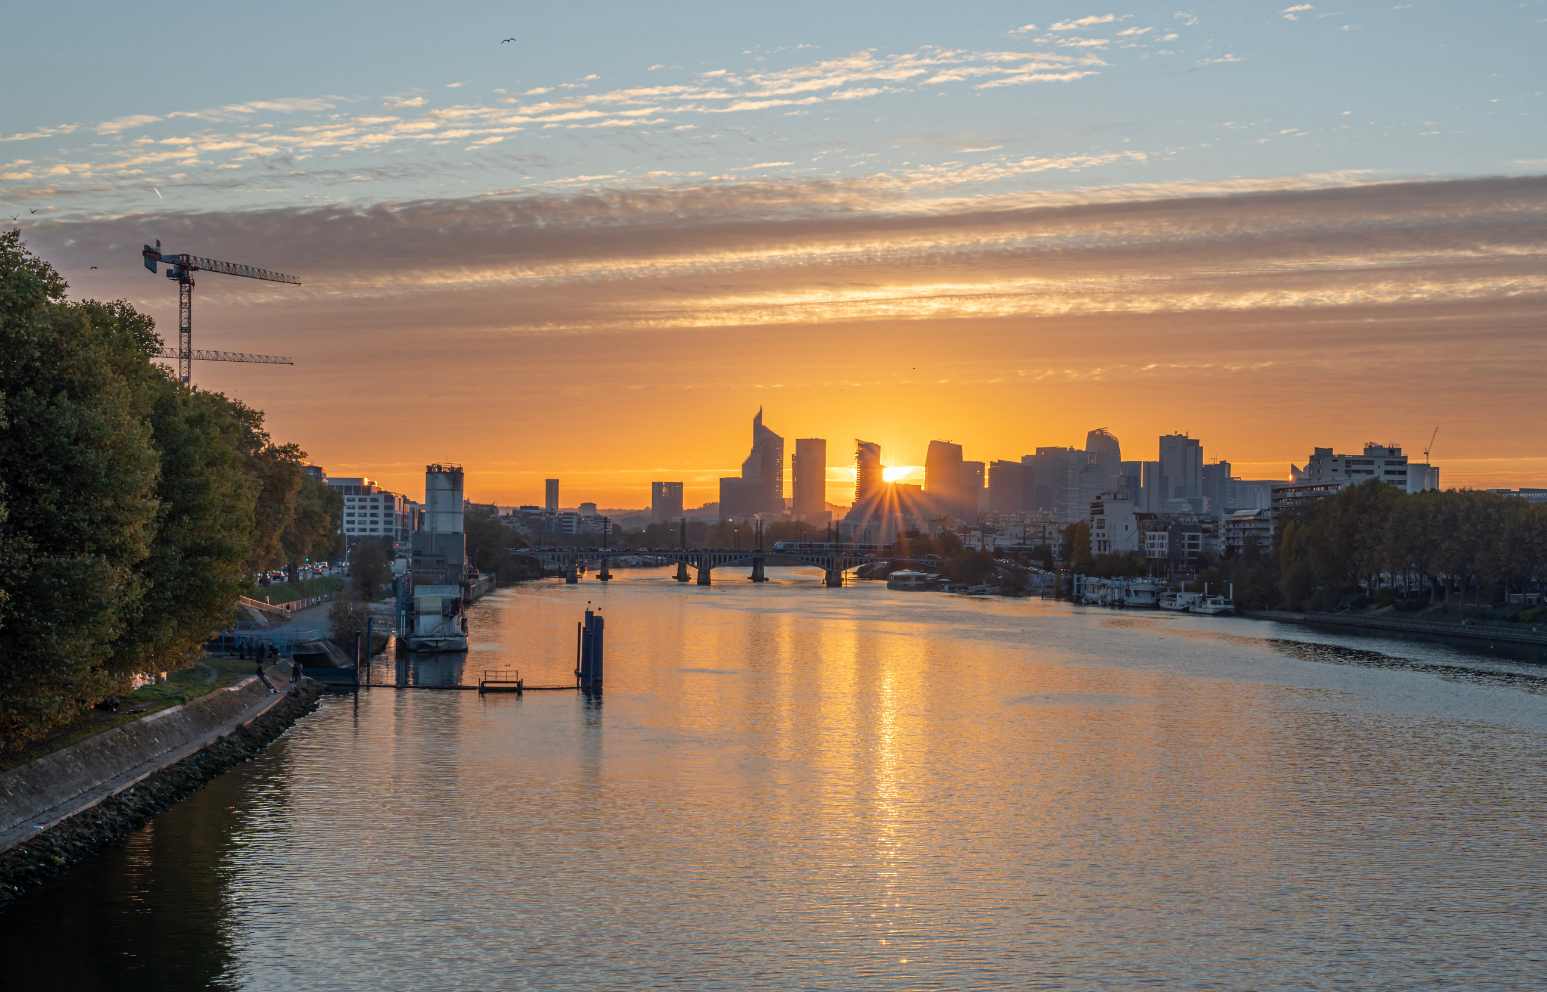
<point x="63" y="807"/>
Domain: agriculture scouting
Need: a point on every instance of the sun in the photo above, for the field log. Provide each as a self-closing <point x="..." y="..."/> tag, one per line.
<point x="896" y="473"/>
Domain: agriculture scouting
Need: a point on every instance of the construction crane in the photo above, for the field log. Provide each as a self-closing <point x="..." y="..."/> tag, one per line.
<point x="1430" y="446"/>
<point x="181" y="268"/>
<point x="204" y="355"/>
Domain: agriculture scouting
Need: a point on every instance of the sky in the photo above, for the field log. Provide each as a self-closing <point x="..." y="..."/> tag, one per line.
<point x="595" y="251"/>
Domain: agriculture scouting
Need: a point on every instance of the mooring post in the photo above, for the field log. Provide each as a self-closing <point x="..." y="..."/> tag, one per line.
<point x="703" y="570"/>
<point x="598" y="636"/>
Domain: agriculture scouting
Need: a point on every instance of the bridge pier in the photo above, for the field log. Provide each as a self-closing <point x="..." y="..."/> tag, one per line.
<point x="682" y="570"/>
<point x="571" y="573"/>
<point x="703" y="571"/>
<point x="758" y="574"/>
<point x="605" y="575"/>
<point x="832" y="575"/>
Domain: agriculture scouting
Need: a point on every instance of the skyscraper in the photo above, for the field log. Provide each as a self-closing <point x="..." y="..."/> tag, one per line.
<point x="551" y="495"/>
<point x="760" y="488"/>
<point x="665" y="501"/>
<point x="869" y="474"/>
<point x="943" y="476"/>
<point x="1006" y="486"/>
<point x="810" y="482"/>
<point x="973" y="477"/>
<point x="1181" y="470"/>
<point x="1053" y="482"/>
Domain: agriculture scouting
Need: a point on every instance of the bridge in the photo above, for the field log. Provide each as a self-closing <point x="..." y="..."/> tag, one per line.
<point x="833" y="561"/>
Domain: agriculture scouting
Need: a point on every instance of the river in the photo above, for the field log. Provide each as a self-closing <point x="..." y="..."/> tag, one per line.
<point x="787" y="786"/>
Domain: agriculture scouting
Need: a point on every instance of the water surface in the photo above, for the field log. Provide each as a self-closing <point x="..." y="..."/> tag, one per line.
<point x="787" y="786"/>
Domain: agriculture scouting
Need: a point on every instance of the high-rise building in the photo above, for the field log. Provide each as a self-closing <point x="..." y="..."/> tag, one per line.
<point x="1216" y="488"/>
<point x="943" y="477"/>
<point x="1103" y="449"/>
<point x="810" y="479"/>
<point x="1006" y="486"/>
<point x="869" y="473"/>
<point x="551" y="495"/>
<point x="974" y="476"/>
<point x="760" y="488"/>
<point x="1181" y="471"/>
<point x="1052" y="483"/>
<point x="665" y="502"/>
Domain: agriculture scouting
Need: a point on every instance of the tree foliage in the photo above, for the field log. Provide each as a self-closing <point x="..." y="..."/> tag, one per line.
<point x="370" y="568"/>
<point x="132" y="509"/>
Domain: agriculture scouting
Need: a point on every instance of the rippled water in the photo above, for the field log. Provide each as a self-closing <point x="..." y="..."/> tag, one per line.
<point x="794" y="787"/>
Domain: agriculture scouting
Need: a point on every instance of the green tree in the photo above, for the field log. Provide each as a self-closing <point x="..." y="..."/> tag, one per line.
<point x="81" y="472"/>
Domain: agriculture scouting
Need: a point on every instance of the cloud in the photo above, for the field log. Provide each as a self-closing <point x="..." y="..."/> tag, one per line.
<point x="403" y="102"/>
<point x="1187" y="17"/>
<point x="121" y="124"/>
<point x="1294" y="10"/>
<point x="42" y="132"/>
<point x="1084" y="22"/>
<point x="1023" y="79"/>
<point x="1225" y="59"/>
<point x="455" y="86"/>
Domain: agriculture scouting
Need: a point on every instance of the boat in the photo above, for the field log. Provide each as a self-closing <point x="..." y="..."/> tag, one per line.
<point x="1178" y="602"/>
<point x="909" y="580"/>
<point x="1213" y="606"/>
<point x="1140" y="593"/>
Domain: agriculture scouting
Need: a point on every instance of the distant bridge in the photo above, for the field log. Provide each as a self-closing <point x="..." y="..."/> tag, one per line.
<point x="703" y="561"/>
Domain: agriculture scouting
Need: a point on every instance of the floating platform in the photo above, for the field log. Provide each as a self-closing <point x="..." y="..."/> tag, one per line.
<point x="501" y="681"/>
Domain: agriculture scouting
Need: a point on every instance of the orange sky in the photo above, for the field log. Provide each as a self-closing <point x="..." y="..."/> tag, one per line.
<point x="611" y="341"/>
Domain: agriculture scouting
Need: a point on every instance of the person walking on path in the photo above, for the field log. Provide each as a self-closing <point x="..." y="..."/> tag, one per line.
<point x="264" y="678"/>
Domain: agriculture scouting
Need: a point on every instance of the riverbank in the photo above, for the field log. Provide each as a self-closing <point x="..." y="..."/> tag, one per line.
<point x="64" y="807"/>
<point x="1489" y="634"/>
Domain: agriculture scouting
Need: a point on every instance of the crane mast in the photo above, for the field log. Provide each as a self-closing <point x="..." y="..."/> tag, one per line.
<point x="180" y="267"/>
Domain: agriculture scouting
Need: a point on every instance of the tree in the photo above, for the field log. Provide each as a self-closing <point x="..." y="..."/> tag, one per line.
<point x="370" y="568"/>
<point x="81" y="471"/>
<point x="314" y="528"/>
<point x="488" y="540"/>
<point x="347" y="619"/>
<point x="1077" y="546"/>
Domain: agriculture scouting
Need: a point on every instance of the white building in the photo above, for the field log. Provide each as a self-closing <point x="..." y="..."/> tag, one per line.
<point x="1114" y="525"/>
<point x="1383" y="462"/>
<point x="376" y="514"/>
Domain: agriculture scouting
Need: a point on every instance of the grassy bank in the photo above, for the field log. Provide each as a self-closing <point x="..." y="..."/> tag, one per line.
<point x="289" y="592"/>
<point x="179" y="688"/>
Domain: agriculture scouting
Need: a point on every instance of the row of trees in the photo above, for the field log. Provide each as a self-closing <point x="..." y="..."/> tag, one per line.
<point x="1459" y="547"/>
<point x="134" y="511"/>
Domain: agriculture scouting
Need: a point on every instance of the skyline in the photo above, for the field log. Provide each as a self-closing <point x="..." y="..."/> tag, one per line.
<point x="840" y="478"/>
<point x="1276" y="229"/>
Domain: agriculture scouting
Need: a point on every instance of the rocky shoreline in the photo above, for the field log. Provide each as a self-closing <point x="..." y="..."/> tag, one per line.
<point x="72" y="841"/>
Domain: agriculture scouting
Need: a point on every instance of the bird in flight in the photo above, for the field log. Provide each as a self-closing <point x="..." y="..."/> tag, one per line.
<point x="158" y="193"/>
<point x="32" y="211"/>
<point x="93" y="268"/>
<point x="507" y="41"/>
